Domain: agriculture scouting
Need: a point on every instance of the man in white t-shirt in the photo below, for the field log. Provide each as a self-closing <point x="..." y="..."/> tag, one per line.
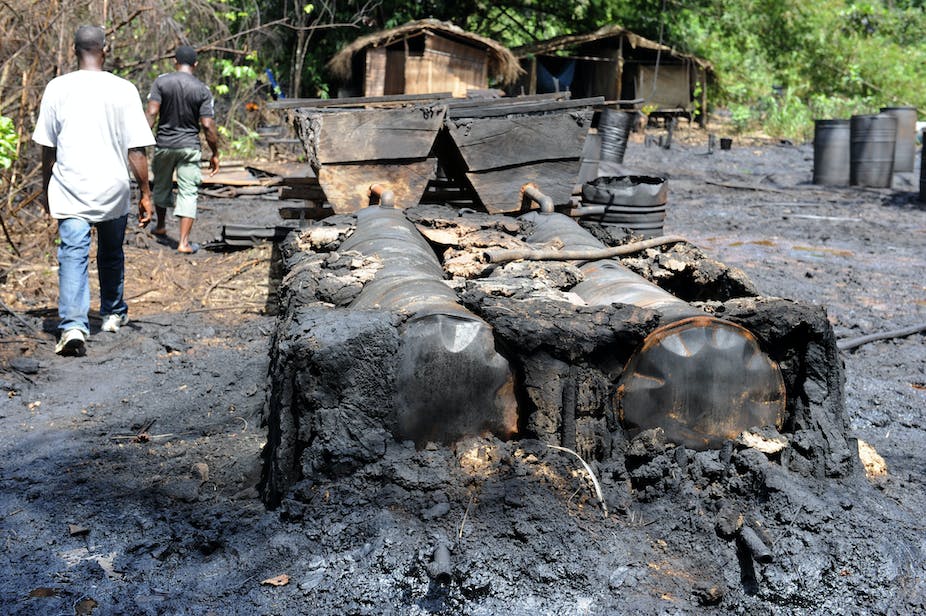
<point x="92" y="127"/>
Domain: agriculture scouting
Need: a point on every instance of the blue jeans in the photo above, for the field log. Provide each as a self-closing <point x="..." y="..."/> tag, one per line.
<point x="73" y="281"/>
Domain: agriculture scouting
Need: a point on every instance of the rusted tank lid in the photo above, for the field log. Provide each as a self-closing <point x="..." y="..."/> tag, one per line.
<point x="702" y="380"/>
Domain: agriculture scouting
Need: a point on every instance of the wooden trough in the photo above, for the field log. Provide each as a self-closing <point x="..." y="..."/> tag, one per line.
<point x="501" y="146"/>
<point x="350" y="150"/>
<point x="481" y="151"/>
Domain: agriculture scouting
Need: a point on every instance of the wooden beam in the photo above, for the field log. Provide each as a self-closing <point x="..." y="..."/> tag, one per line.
<point x="619" y="77"/>
<point x="510" y="107"/>
<point x="465" y="103"/>
<point x="355" y="101"/>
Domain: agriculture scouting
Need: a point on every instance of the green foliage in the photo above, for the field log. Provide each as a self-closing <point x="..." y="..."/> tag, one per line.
<point x="238" y="144"/>
<point x="8" y="142"/>
<point x="828" y="58"/>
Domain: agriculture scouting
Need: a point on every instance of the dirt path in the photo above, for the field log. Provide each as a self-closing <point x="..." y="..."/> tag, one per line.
<point x="128" y="476"/>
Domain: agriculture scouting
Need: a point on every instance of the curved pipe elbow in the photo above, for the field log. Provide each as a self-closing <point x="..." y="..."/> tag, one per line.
<point x="530" y="193"/>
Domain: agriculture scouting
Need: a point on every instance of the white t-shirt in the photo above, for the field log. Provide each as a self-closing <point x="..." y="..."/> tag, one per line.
<point x="93" y="118"/>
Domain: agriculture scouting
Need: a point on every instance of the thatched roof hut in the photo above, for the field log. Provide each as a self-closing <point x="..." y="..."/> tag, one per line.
<point x="618" y="64"/>
<point x="421" y="57"/>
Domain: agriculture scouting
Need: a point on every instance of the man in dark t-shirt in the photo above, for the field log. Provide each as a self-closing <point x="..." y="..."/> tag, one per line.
<point x="180" y="104"/>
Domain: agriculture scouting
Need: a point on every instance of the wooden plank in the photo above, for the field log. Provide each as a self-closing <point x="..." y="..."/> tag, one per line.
<point x="356" y="101"/>
<point x="500" y="189"/>
<point x="369" y="134"/>
<point x="491" y="143"/>
<point x="305" y="212"/>
<point x="461" y="103"/>
<point x="290" y="172"/>
<point x="375" y="78"/>
<point x="312" y="193"/>
<point x="510" y="107"/>
<point x="347" y="187"/>
<point x="237" y="177"/>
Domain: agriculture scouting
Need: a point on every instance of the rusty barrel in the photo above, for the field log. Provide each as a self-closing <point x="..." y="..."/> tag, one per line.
<point x="614" y="127"/>
<point x="871" y="154"/>
<point x="701" y="379"/>
<point x="450" y="380"/>
<point x="905" y="141"/>
<point x="831" y="152"/>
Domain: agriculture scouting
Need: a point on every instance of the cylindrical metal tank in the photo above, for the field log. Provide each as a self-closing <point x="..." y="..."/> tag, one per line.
<point x="451" y="382"/>
<point x="905" y="142"/>
<point x="871" y="155"/>
<point x="923" y="169"/>
<point x="831" y="152"/>
<point x="635" y="202"/>
<point x="701" y="379"/>
<point x="614" y="128"/>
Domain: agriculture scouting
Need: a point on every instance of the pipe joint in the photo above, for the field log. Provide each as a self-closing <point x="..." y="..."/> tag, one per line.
<point x="530" y="193"/>
<point x="382" y="196"/>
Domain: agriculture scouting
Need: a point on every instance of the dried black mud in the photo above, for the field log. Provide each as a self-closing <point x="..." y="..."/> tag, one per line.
<point x="780" y="521"/>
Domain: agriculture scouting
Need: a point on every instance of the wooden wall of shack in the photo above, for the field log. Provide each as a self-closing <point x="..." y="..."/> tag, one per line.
<point x="424" y="64"/>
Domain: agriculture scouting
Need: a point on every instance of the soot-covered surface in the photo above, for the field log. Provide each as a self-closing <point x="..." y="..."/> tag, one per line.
<point x="174" y="524"/>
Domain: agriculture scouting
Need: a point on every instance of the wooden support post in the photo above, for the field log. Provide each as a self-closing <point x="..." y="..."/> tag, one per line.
<point x="702" y="117"/>
<point x="619" y="77"/>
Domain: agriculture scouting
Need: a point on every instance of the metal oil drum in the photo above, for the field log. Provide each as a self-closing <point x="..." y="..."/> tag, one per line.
<point x="923" y="170"/>
<point x="871" y="154"/>
<point x="702" y="380"/>
<point x="831" y="152"/>
<point x="614" y="128"/>
<point x="905" y="142"/>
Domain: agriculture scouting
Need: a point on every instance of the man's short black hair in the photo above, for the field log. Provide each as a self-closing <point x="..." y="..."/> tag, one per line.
<point x="185" y="55"/>
<point x="89" y="38"/>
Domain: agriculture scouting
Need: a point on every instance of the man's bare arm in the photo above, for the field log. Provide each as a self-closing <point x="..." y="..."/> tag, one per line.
<point x="138" y="163"/>
<point x="49" y="157"/>
<point x="151" y="112"/>
<point x="212" y="138"/>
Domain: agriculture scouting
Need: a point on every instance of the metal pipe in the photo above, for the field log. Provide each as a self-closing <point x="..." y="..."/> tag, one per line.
<point x="554" y="254"/>
<point x="450" y="381"/>
<point x="531" y="193"/>
<point x="757" y="548"/>
<point x="384" y="196"/>
<point x="605" y="281"/>
<point x="701" y="379"/>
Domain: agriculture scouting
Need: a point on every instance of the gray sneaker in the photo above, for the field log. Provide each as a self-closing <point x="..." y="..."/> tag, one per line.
<point x="112" y="322"/>
<point x="72" y="342"/>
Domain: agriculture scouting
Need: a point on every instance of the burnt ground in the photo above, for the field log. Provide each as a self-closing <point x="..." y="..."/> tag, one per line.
<point x="129" y="481"/>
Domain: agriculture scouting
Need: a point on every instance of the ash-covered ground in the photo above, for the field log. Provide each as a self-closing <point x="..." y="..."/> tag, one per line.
<point x="129" y="481"/>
